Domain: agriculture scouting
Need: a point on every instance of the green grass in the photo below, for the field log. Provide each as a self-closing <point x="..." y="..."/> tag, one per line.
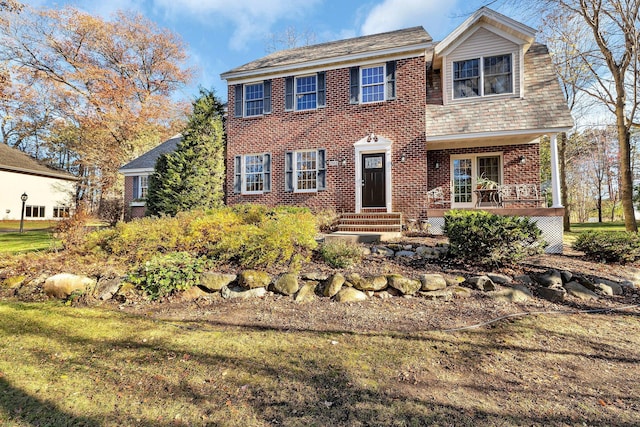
<point x="29" y="241"/>
<point x="91" y="367"/>
<point x="577" y="228"/>
<point x="27" y="225"/>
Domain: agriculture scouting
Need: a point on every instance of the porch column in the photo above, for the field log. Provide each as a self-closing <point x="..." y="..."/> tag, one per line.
<point x="555" y="173"/>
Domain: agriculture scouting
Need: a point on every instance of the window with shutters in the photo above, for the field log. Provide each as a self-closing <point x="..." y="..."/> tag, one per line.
<point x="491" y="75"/>
<point x="305" y="92"/>
<point x="143" y="186"/>
<point x="252" y="173"/>
<point x="375" y="83"/>
<point x="372" y="84"/>
<point x="253" y="99"/>
<point x="305" y="171"/>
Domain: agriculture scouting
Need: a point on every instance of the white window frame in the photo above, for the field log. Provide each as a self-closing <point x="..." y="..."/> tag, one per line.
<point x="143" y="190"/>
<point x="383" y="83"/>
<point x="31" y="208"/>
<point x="481" y="75"/>
<point x="58" y="209"/>
<point x="296" y="171"/>
<point x="245" y="100"/>
<point x="243" y="173"/>
<point x="296" y="94"/>
<point x="474" y="174"/>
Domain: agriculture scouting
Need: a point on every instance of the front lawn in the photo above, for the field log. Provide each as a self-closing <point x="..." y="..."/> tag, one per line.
<point x="68" y="366"/>
<point x="29" y="241"/>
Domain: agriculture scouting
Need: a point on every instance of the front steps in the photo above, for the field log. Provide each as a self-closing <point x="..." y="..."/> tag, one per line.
<point x="368" y="227"/>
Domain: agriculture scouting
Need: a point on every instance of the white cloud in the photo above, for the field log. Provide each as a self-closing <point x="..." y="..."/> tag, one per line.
<point x="433" y="15"/>
<point x="251" y="19"/>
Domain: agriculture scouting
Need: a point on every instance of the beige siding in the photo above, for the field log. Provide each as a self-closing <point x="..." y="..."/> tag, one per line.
<point x="482" y="43"/>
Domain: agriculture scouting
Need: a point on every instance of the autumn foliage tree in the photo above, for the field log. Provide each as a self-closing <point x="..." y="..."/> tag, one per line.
<point x="106" y="86"/>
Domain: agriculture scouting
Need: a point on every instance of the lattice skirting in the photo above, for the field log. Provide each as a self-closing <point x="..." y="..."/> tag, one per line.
<point x="551" y="227"/>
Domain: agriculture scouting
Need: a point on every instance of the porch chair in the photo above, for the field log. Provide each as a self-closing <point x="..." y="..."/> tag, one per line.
<point x="507" y="194"/>
<point x="436" y="198"/>
<point x="528" y="193"/>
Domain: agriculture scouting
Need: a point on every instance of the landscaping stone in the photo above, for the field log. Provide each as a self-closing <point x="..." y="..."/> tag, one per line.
<point x="250" y="279"/>
<point x="383" y="295"/>
<point x="215" y="281"/>
<point x="62" y="285"/>
<point x="442" y="294"/>
<point x="577" y="290"/>
<point x="106" y="288"/>
<point x="424" y="250"/>
<point x="609" y="287"/>
<point x="228" y="293"/>
<point x="350" y="295"/>
<point x="432" y="282"/>
<point x="407" y="254"/>
<point x="482" y="283"/>
<point x="193" y="293"/>
<point x="384" y="251"/>
<point x="555" y="294"/>
<point x="454" y="280"/>
<point x="518" y="293"/>
<point x="525" y="278"/>
<point x="306" y="293"/>
<point x="31" y="287"/>
<point x="405" y="285"/>
<point x="460" y="292"/>
<point x="287" y="284"/>
<point x="334" y="284"/>
<point x="631" y="277"/>
<point x="374" y="283"/>
<point x="586" y="282"/>
<point x="500" y="279"/>
<point x="566" y="276"/>
<point x="13" y="282"/>
<point x="315" y="275"/>
<point x="550" y="279"/>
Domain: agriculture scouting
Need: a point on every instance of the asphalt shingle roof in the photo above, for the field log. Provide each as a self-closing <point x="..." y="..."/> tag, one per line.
<point x="336" y="49"/>
<point x="14" y="160"/>
<point x="543" y="106"/>
<point x="148" y="159"/>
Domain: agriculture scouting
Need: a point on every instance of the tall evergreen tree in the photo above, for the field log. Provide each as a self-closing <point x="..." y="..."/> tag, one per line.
<point x="193" y="176"/>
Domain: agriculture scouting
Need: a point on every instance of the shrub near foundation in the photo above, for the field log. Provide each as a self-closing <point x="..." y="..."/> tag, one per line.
<point x="485" y="238"/>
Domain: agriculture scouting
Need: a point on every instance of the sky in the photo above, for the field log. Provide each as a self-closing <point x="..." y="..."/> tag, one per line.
<point x="224" y="34"/>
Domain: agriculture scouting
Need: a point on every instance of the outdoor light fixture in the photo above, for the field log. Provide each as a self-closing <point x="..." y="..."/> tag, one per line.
<point x="373" y="137"/>
<point x="436" y="165"/>
<point x="344" y="161"/>
<point x="523" y="160"/>
<point x="24" y="198"/>
<point x="403" y="158"/>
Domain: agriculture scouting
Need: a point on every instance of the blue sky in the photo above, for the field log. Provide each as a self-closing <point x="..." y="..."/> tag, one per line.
<point x="223" y="34"/>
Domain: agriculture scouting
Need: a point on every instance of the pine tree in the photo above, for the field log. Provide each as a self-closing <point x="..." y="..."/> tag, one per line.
<point x="193" y="176"/>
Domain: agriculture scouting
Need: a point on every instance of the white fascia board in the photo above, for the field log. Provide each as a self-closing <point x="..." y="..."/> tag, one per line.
<point x="480" y="135"/>
<point x="135" y="172"/>
<point x="491" y="17"/>
<point x="46" y="174"/>
<point x="325" y="63"/>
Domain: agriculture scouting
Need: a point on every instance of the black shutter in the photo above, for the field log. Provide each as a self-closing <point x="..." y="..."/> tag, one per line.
<point x="136" y="187"/>
<point x="288" y="94"/>
<point x="322" y="92"/>
<point x="322" y="170"/>
<point x="266" y="168"/>
<point x="237" y="112"/>
<point x="354" y="83"/>
<point x="288" y="171"/>
<point x="237" y="174"/>
<point x="391" y="80"/>
<point x="266" y="108"/>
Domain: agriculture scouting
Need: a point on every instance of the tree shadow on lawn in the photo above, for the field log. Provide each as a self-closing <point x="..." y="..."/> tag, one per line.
<point x="299" y="381"/>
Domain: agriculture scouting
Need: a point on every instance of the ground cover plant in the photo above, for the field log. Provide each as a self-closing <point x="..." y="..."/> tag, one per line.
<point x="93" y="367"/>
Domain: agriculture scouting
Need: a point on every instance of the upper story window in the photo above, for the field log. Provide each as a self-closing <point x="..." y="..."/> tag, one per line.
<point x="252" y="99"/>
<point x="375" y="83"/>
<point x="305" y="92"/>
<point x="252" y="173"/>
<point x="372" y="85"/>
<point x="493" y="77"/>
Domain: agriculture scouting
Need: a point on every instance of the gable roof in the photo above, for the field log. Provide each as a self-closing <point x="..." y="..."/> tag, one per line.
<point x="392" y="42"/>
<point x="14" y="160"/>
<point x="542" y="108"/>
<point x="148" y="159"/>
<point x="509" y="28"/>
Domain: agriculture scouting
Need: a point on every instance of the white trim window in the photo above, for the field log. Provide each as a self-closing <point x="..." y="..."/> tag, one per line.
<point x="252" y="173"/>
<point x="253" y="99"/>
<point x="494" y="77"/>
<point x="305" y="171"/>
<point x="61" y="211"/>
<point x="303" y="93"/>
<point x="140" y="187"/>
<point x="306" y="96"/>
<point x="33" y="211"/>
<point x="372" y="83"/>
<point x="465" y="171"/>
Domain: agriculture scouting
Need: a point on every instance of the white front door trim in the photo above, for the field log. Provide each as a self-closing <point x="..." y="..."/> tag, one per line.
<point x="372" y="144"/>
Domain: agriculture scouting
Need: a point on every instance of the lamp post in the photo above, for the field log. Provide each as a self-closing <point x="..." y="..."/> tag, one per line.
<point x="24" y="198"/>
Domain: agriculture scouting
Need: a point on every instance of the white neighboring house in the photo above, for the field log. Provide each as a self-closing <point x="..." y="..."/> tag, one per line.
<point x="50" y="192"/>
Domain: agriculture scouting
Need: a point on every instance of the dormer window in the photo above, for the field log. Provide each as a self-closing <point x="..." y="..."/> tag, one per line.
<point x="494" y="77"/>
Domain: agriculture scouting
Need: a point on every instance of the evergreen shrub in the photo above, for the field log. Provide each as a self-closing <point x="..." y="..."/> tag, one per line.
<point x="484" y="238"/>
<point x="609" y="246"/>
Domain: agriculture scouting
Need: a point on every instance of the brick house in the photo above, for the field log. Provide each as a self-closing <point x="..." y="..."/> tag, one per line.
<point x="136" y="177"/>
<point x="398" y="123"/>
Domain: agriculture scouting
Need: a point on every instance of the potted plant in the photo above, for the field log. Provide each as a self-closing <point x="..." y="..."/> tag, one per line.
<point x="484" y="183"/>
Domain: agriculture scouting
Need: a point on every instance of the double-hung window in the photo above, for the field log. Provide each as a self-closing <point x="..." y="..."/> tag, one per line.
<point x="305" y="171"/>
<point x="305" y="92"/>
<point x="252" y="173"/>
<point x="252" y="99"/>
<point x="140" y="187"/>
<point x="372" y="83"/>
<point x="490" y="75"/>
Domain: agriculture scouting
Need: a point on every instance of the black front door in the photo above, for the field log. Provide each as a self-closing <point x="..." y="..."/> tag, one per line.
<point x="373" y="181"/>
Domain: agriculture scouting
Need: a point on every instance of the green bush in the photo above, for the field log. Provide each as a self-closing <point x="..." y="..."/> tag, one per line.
<point x="609" y="246"/>
<point x="485" y="238"/>
<point x="166" y="273"/>
<point x="340" y="253"/>
<point x="252" y="236"/>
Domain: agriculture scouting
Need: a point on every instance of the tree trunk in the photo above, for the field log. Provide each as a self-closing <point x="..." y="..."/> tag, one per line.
<point x="626" y="175"/>
<point x="564" y="190"/>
